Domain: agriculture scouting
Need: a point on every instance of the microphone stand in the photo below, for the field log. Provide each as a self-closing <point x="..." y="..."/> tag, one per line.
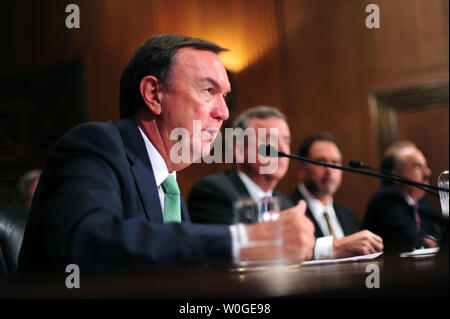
<point x="360" y="165"/>
<point x="268" y="150"/>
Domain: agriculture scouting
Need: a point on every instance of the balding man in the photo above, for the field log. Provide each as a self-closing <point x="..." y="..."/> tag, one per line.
<point x="397" y="212"/>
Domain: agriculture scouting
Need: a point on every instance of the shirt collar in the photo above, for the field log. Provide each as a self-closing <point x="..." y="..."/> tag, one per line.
<point x="313" y="203"/>
<point x="253" y="189"/>
<point x="411" y="202"/>
<point x="158" y="164"/>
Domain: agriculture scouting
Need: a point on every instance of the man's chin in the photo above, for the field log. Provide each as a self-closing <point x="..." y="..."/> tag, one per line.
<point x="206" y="149"/>
<point x="329" y="190"/>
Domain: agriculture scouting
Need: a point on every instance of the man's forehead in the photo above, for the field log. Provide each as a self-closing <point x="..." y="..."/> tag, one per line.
<point x="203" y="65"/>
<point x="411" y="154"/>
<point x="324" y="148"/>
<point x="409" y="151"/>
<point x="196" y="58"/>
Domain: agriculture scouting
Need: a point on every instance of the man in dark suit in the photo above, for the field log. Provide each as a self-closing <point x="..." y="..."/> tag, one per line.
<point x="399" y="212"/>
<point x="211" y="199"/>
<point x="338" y="233"/>
<point x="108" y="197"/>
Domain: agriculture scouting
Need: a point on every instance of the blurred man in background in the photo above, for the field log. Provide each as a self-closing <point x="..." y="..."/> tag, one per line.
<point x="398" y="212"/>
<point x="211" y="199"/>
<point x="338" y="233"/>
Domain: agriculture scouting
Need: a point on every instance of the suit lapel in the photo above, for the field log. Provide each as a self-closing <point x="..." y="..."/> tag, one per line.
<point x="341" y="219"/>
<point x="184" y="211"/>
<point x="285" y="202"/>
<point x="318" y="231"/>
<point x="241" y="190"/>
<point x="142" y="170"/>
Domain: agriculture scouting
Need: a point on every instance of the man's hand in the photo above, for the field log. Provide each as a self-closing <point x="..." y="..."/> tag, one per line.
<point x="360" y="243"/>
<point x="430" y="242"/>
<point x="298" y="234"/>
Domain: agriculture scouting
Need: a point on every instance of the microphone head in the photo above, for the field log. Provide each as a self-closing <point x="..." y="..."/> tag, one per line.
<point x="267" y="150"/>
<point x="356" y="164"/>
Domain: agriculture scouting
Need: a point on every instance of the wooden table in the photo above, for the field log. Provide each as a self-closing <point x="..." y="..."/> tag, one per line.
<point x="399" y="278"/>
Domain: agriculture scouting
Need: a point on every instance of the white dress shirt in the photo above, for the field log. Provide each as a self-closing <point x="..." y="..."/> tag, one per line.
<point x="253" y="189"/>
<point x="159" y="167"/>
<point x="239" y="236"/>
<point x="324" y="245"/>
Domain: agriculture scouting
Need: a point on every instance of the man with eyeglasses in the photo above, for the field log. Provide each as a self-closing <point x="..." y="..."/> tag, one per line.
<point x="338" y="233"/>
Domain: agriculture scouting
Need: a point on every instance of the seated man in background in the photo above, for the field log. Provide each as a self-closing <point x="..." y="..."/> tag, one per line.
<point x="338" y="233"/>
<point x="108" y="197"/>
<point x="211" y="199"/>
<point x="398" y="212"/>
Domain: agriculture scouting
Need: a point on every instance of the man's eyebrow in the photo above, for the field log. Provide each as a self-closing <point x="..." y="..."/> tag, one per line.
<point x="210" y="80"/>
<point x="213" y="82"/>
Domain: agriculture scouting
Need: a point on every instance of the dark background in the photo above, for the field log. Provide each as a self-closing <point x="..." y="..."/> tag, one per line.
<point x="315" y="60"/>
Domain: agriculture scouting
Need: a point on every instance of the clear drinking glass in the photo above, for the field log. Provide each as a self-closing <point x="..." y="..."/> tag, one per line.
<point x="443" y="182"/>
<point x="267" y="249"/>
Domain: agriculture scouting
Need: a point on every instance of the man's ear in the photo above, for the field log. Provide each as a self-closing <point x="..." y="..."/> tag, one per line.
<point x="150" y="89"/>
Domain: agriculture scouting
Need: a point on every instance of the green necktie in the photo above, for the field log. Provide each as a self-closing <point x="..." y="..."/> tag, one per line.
<point x="172" y="211"/>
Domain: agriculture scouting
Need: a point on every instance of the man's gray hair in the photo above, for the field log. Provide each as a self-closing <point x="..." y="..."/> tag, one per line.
<point x="259" y="112"/>
<point x="391" y="159"/>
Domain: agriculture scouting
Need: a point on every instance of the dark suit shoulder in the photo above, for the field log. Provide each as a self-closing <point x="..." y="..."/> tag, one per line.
<point x="389" y="215"/>
<point x="347" y="219"/>
<point x="92" y="136"/>
<point x="295" y="196"/>
<point x="211" y="199"/>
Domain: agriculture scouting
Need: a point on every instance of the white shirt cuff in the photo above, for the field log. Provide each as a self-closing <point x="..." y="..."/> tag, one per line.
<point x="324" y="248"/>
<point x="239" y="239"/>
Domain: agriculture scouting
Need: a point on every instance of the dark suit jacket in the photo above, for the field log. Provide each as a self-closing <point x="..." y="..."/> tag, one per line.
<point x="346" y="218"/>
<point x="211" y="199"/>
<point x="97" y="206"/>
<point x="389" y="215"/>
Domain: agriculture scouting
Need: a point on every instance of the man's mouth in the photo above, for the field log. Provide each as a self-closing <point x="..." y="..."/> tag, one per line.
<point x="209" y="135"/>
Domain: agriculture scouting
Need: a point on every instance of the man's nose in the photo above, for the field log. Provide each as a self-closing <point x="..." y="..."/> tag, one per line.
<point x="284" y="147"/>
<point x="220" y="111"/>
<point x="427" y="171"/>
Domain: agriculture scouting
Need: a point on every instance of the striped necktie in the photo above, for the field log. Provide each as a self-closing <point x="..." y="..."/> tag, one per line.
<point x="416" y="214"/>
<point x="330" y="229"/>
<point x="172" y="211"/>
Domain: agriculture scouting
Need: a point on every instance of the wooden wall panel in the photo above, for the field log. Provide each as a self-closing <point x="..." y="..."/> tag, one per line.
<point x="315" y="60"/>
<point x="36" y="37"/>
<point x="331" y="63"/>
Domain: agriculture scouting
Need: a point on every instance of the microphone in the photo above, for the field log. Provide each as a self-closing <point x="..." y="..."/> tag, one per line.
<point x="270" y="151"/>
<point x="359" y="164"/>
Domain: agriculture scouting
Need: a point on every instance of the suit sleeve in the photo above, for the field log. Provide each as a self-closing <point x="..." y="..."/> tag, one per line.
<point x="90" y="214"/>
<point x="395" y="226"/>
